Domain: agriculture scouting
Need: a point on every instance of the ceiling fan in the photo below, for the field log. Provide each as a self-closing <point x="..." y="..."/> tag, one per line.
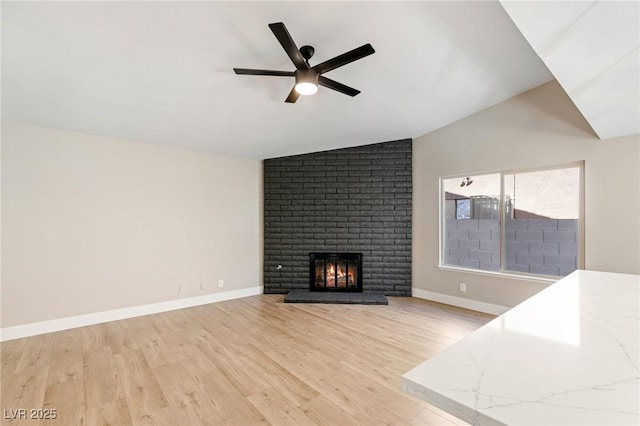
<point x="307" y="77"/>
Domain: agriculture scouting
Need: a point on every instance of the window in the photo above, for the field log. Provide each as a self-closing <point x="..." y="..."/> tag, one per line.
<point x="539" y="232"/>
<point x="463" y="208"/>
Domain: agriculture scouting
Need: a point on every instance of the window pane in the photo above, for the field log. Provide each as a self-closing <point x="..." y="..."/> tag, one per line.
<point x="541" y="224"/>
<point x="463" y="208"/>
<point x="472" y="233"/>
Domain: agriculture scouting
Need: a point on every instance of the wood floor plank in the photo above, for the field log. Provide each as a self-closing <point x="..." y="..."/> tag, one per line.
<point x="112" y="413"/>
<point x="101" y="380"/>
<point x="67" y="399"/>
<point x="139" y="384"/>
<point x="66" y="360"/>
<point x="249" y="361"/>
<point x="24" y="390"/>
<point x="10" y="354"/>
<point x="323" y="412"/>
<point x="170" y="373"/>
<point x="190" y="405"/>
<point x="120" y="337"/>
<point x="36" y="352"/>
<point x="233" y="365"/>
<point x="156" y="350"/>
<point x="278" y="410"/>
<point x="430" y="417"/>
<point x="163" y="417"/>
<point x="94" y="336"/>
<point x="233" y="408"/>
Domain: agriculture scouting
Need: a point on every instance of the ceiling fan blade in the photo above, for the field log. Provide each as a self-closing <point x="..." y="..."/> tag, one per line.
<point x="293" y="96"/>
<point x="345" y="58"/>
<point x="338" y="87"/>
<point x="283" y="36"/>
<point x="249" y="71"/>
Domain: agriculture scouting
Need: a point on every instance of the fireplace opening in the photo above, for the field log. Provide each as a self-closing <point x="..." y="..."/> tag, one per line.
<point x="336" y="272"/>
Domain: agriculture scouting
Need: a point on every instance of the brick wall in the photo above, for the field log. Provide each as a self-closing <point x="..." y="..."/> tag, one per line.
<point x="537" y="246"/>
<point x="542" y="246"/>
<point x="473" y="243"/>
<point x="347" y="200"/>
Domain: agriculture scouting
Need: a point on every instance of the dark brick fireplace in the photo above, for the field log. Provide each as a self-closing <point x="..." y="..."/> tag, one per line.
<point x="341" y="201"/>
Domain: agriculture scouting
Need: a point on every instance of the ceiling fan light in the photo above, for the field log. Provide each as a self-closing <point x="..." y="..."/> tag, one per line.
<point x="306" y="88"/>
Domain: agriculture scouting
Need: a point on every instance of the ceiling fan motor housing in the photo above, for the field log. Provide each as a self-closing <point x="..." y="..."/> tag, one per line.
<point x="307" y="52"/>
<point x="306" y="76"/>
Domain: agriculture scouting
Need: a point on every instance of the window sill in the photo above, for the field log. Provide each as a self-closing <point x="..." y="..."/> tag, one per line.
<point x="534" y="278"/>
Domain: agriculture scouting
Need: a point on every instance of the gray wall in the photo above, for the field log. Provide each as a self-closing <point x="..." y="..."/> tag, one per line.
<point x="541" y="128"/>
<point x="99" y="224"/>
<point x="537" y="246"/>
<point x="346" y="200"/>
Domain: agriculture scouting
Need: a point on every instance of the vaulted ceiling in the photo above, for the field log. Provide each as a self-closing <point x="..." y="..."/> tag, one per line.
<point x="161" y="72"/>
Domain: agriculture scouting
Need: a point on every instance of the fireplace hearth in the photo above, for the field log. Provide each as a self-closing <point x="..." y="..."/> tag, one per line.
<point x="341" y="272"/>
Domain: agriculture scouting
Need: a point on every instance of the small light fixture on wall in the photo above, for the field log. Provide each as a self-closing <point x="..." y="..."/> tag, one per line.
<point x="466" y="181"/>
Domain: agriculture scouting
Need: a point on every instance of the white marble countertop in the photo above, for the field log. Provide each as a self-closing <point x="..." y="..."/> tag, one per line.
<point x="568" y="355"/>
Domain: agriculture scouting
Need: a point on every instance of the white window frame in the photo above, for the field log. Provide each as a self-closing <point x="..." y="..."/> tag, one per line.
<point x="503" y="272"/>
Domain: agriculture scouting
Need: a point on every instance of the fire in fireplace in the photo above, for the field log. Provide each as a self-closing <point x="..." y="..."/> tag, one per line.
<point x="336" y="272"/>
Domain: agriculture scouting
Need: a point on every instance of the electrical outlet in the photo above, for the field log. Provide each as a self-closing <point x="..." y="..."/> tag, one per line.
<point x="220" y="283"/>
<point x="179" y="288"/>
<point x="463" y="287"/>
<point x="201" y="286"/>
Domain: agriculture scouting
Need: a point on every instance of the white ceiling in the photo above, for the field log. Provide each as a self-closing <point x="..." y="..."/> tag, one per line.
<point x="161" y="72"/>
<point x="593" y="50"/>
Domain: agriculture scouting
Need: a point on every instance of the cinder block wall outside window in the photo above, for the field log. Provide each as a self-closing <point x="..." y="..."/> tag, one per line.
<point x="537" y="246"/>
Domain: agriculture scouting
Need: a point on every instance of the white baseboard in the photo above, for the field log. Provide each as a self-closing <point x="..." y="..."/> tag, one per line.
<point x="26" y="330"/>
<point x="475" y="305"/>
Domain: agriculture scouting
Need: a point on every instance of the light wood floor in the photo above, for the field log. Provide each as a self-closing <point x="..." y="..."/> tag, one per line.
<point x="242" y="362"/>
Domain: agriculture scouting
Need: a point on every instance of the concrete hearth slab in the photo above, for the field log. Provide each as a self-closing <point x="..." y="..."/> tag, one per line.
<point x="364" y="298"/>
